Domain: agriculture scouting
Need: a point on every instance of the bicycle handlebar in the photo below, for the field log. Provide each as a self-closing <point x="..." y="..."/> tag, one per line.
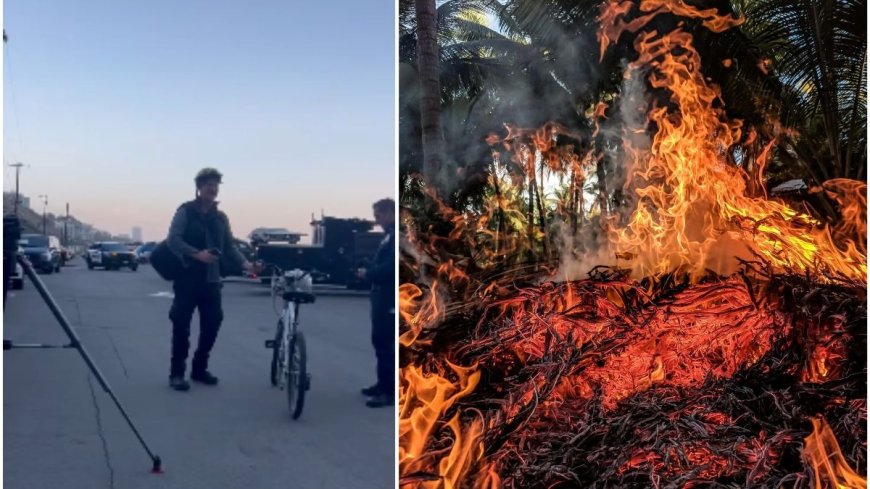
<point x="275" y="266"/>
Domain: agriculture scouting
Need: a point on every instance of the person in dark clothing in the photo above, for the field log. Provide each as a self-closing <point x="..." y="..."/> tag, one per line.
<point x="382" y="274"/>
<point x="201" y="238"/>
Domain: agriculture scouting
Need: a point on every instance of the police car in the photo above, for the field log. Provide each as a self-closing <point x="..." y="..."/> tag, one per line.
<point x="110" y="255"/>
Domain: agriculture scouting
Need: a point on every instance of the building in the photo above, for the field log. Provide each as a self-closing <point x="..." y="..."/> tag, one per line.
<point x="56" y="225"/>
<point x="137" y="234"/>
<point x="9" y="201"/>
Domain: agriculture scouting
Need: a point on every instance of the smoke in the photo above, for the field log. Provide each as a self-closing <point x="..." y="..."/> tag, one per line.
<point x="632" y="121"/>
<point x="523" y="84"/>
<point x="624" y="131"/>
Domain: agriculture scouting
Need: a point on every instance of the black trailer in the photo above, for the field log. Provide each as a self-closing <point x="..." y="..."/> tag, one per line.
<point x="339" y="246"/>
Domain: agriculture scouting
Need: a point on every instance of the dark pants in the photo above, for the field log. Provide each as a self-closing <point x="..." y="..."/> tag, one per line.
<point x="193" y="292"/>
<point x="384" y="341"/>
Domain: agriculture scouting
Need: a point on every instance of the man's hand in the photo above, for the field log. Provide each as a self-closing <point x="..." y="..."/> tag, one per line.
<point x="205" y="257"/>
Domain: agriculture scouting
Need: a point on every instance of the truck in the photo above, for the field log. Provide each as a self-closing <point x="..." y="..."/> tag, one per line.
<point x="339" y="247"/>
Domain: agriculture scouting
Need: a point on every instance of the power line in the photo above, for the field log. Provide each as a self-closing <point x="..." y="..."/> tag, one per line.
<point x="8" y="59"/>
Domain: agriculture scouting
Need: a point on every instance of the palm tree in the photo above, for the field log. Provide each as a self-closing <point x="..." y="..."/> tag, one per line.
<point x="816" y="50"/>
<point x="794" y="76"/>
<point x="430" y="100"/>
<point x="487" y="78"/>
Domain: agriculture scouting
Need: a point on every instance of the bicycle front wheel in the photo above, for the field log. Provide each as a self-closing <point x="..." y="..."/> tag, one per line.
<point x="297" y="375"/>
<point x="276" y="354"/>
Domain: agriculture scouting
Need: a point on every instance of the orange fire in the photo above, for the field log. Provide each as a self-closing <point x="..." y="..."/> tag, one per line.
<point x="830" y="470"/>
<point x="693" y="212"/>
<point x="417" y="310"/>
<point x="424" y="399"/>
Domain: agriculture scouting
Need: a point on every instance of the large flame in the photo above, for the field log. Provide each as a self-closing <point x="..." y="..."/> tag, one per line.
<point x="693" y="212"/>
<point x="830" y="469"/>
<point x="424" y="399"/>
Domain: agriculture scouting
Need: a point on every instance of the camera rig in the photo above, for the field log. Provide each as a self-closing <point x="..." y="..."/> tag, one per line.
<point x="11" y="235"/>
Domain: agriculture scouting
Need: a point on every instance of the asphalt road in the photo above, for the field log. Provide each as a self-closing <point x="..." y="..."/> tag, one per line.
<point x="62" y="430"/>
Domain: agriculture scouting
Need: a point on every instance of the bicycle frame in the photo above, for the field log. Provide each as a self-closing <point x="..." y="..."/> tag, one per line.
<point x="289" y="323"/>
<point x="288" y="368"/>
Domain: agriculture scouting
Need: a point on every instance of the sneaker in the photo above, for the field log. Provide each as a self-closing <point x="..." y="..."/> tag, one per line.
<point x="371" y="390"/>
<point x="178" y="383"/>
<point x="204" y="377"/>
<point x="380" y="400"/>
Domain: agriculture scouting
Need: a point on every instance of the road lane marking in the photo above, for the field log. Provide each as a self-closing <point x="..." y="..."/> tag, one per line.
<point x="168" y="295"/>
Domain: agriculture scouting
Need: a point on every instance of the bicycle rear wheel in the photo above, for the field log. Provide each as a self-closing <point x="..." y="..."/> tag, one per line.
<point x="297" y="376"/>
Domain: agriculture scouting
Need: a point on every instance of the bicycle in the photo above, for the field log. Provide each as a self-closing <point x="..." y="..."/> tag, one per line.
<point x="289" y="363"/>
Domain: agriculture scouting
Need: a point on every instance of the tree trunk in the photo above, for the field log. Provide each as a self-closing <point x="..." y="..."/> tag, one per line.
<point x="575" y="213"/>
<point x="532" y="186"/>
<point x="578" y="196"/>
<point x="499" y="216"/>
<point x="539" y="197"/>
<point x="430" y="101"/>
<point x="601" y="173"/>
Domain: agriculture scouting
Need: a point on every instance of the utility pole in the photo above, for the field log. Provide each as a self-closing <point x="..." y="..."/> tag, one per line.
<point x="17" y="167"/>
<point x="44" y="221"/>
<point x="65" y="221"/>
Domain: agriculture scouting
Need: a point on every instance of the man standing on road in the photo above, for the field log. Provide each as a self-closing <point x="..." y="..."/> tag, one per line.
<point x="200" y="237"/>
<point x="382" y="274"/>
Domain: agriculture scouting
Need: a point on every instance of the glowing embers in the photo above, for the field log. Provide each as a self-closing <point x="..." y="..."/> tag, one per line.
<point x="631" y="344"/>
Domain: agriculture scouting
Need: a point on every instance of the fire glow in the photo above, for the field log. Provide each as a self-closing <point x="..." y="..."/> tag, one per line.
<point x="647" y="374"/>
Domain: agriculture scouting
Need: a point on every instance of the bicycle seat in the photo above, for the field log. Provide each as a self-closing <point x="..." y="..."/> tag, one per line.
<point x="300" y="297"/>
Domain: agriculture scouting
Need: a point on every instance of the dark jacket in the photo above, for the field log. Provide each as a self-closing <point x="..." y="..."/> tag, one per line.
<point x="382" y="273"/>
<point x="192" y="231"/>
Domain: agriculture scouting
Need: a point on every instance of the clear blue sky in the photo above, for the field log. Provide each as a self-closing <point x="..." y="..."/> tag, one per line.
<point x="115" y="105"/>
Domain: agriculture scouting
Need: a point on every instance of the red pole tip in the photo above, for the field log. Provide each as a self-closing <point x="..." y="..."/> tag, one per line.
<point x="156" y="469"/>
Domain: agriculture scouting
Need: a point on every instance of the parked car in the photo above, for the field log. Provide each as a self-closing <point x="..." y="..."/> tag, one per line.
<point x="246" y="249"/>
<point x="143" y="253"/>
<point x="273" y="235"/>
<point x="42" y="251"/>
<point x="110" y="255"/>
<point x="17" y="277"/>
